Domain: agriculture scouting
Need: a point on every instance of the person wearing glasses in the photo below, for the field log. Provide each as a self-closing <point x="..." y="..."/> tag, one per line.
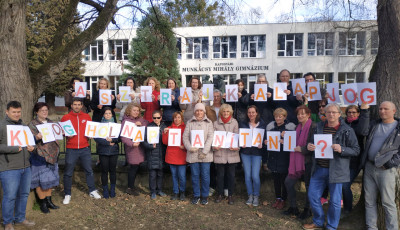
<point x="331" y="172"/>
<point x="320" y="115"/>
<point x="155" y="157"/>
<point x="313" y="105"/>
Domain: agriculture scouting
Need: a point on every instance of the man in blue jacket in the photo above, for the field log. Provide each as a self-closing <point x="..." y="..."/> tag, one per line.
<point x="380" y="160"/>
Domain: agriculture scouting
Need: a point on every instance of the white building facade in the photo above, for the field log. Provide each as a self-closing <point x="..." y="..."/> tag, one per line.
<point x="334" y="51"/>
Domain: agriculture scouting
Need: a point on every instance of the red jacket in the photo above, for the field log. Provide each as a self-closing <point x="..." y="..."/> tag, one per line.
<point x="175" y="155"/>
<point x="78" y="120"/>
<point x="149" y="107"/>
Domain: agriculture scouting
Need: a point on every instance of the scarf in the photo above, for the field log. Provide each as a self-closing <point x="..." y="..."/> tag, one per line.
<point x="296" y="162"/>
<point x="350" y="120"/>
<point x="103" y="120"/>
<point x="225" y="120"/>
<point x="321" y="116"/>
<point x="49" y="151"/>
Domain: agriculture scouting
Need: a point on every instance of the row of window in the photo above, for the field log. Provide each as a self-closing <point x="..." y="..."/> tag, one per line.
<point x="251" y="46"/>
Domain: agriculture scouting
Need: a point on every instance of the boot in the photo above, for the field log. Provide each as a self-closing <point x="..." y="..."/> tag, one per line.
<point x="43" y="206"/>
<point x="50" y="203"/>
<point x="105" y="191"/>
<point x="305" y="214"/>
<point x="112" y="190"/>
<point x="230" y="200"/>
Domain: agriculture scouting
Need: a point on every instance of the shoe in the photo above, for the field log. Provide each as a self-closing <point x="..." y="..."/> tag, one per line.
<point x="132" y="191"/>
<point x="67" y="199"/>
<point x="50" y="203"/>
<point x="174" y="197"/>
<point x="204" y="201"/>
<point x="195" y="200"/>
<point x="230" y="200"/>
<point x="324" y="201"/>
<point x="162" y="194"/>
<point x="26" y="223"/>
<point x="218" y="199"/>
<point x="112" y="190"/>
<point x="276" y="202"/>
<point x="344" y="214"/>
<point x="281" y="205"/>
<point x="43" y="206"/>
<point x="255" y="201"/>
<point x="94" y="194"/>
<point x="305" y="214"/>
<point x="250" y="200"/>
<point x="105" y="191"/>
<point x="292" y="212"/>
<point x="312" y="226"/>
<point x="153" y="196"/>
<point x="9" y="227"/>
<point x="182" y="196"/>
<point x="265" y="167"/>
<point x="226" y="192"/>
<point x="211" y="192"/>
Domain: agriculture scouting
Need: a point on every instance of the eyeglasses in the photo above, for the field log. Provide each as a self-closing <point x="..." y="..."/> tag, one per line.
<point x="321" y="106"/>
<point x="156" y="117"/>
<point x="331" y="112"/>
<point x="352" y="112"/>
<point x="43" y="110"/>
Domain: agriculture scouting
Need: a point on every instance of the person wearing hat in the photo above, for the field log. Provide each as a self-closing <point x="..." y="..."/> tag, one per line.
<point x="199" y="158"/>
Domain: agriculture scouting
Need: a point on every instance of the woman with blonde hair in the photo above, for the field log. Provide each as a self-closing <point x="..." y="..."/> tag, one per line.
<point x="95" y="103"/>
<point x="149" y="107"/>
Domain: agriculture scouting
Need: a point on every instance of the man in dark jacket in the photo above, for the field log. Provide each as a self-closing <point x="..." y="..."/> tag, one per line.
<point x="380" y="160"/>
<point x="15" y="172"/>
<point x="331" y="172"/>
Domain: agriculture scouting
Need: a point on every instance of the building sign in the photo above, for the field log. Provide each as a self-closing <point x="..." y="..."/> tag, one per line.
<point x="225" y="67"/>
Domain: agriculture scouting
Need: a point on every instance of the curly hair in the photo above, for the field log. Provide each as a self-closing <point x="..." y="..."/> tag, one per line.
<point x="157" y="86"/>
<point x="129" y="108"/>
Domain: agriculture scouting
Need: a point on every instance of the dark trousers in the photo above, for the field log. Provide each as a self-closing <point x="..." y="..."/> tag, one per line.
<point x="108" y="166"/>
<point x="132" y="175"/>
<point x="213" y="176"/>
<point x="225" y="171"/>
<point x="279" y="184"/>
<point x="290" y="183"/>
<point x="155" y="180"/>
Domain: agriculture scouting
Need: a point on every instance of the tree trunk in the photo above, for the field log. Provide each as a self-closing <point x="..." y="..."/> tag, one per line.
<point x="15" y="82"/>
<point x="50" y="100"/>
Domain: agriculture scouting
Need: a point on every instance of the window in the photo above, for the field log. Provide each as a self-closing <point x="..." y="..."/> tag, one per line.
<point x="253" y="46"/>
<point x="179" y="47"/>
<point x="249" y="81"/>
<point x="197" y="48"/>
<point x="292" y="76"/>
<point x="94" y="52"/>
<point x="324" y="78"/>
<point x="347" y="78"/>
<point x="228" y="79"/>
<point x="351" y="43"/>
<point x="374" y="42"/>
<point x="290" y="45"/>
<point x="320" y="44"/>
<point x="118" y="49"/>
<point x="224" y="47"/>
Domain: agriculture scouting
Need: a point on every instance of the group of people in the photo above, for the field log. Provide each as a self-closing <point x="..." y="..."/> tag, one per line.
<point x="358" y="143"/>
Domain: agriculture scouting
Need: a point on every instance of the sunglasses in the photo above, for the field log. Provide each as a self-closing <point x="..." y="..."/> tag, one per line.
<point x="156" y="117"/>
<point x="321" y="106"/>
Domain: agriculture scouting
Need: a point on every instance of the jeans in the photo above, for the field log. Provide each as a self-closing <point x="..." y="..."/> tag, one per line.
<point x="178" y="178"/>
<point x="319" y="180"/>
<point x="108" y="165"/>
<point x="226" y="171"/>
<point x="380" y="181"/>
<point x="71" y="157"/>
<point x="200" y="174"/>
<point x="252" y="165"/>
<point x="16" y="185"/>
<point x="155" y="180"/>
<point x="347" y="193"/>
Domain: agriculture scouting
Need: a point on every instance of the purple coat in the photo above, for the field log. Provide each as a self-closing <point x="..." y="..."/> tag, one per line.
<point x="134" y="155"/>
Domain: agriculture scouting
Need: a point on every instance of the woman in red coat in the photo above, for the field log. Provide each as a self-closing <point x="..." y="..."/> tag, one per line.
<point x="149" y="107"/>
<point x="176" y="158"/>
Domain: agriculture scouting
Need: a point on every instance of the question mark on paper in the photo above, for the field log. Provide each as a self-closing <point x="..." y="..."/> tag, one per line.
<point x="323" y="148"/>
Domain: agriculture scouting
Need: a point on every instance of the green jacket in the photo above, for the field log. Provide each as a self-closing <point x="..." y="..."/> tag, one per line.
<point x="10" y="157"/>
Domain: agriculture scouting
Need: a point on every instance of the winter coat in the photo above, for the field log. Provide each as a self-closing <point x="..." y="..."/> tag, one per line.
<point x="174" y="154"/>
<point x="104" y="147"/>
<point x="10" y="157"/>
<point x="169" y="110"/>
<point x="339" y="166"/>
<point x="360" y="127"/>
<point x="240" y="108"/>
<point x="48" y="151"/>
<point x="189" y="108"/>
<point x="78" y="121"/>
<point x="289" y="105"/>
<point x="98" y="113"/>
<point x="134" y="155"/>
<point x="207" y="126"/>
<point x="68" y="101"/>
<point x="278" y="162"/>
<point x="149" y="107"/>
<point x="225" y="155"/>
<point x="389" y="154"/>
<point x="266" y="109"/>
<point x="254" y="151"/>
<point x="155" y="156"/>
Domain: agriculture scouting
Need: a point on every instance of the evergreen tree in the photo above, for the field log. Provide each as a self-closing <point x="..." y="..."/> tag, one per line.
<point x="154" y="52"/>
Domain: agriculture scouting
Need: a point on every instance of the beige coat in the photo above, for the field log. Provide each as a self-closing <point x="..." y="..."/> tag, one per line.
<point x="207" y="126"/>
<point x="189" y="108"/>
<point x="223" y="156"/>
